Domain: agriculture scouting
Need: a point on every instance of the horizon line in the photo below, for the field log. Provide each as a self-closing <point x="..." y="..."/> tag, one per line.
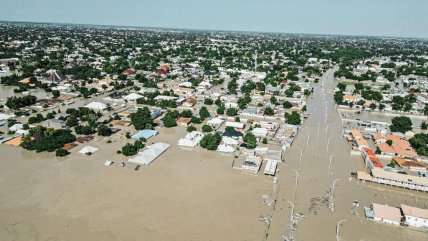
<point x="216" y="30"/>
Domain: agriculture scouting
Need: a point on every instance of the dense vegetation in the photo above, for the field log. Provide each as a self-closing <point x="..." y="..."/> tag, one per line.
<point x="19" y="102"/>
<point x="142" y="119"/>
<point x="46" y="139"/>
<point x="420" y="143"/>
<point x="401" y="124"/>
<point x="211" y="141"/>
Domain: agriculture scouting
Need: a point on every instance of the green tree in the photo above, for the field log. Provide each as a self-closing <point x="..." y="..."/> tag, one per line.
<point x="43" y="139"/>
<point x="293" y="118"/>
<point x="170" y="119"/>
<point x="207" y="128"/>
<point x="273" y="100"/>
<point x="196" y="120"/>
<point x="250" y="140"/>
<point x="139" y="144"/>
<point x="129" y="150"/>
<point x="55" y="93"/>
<point x="61" y="152"/>
<point x="341" y="86"/>
<point x="211" y="141"/>
<point x="104" y="130"/>
<point x="71" y="121"/>
<point x="208" y="101"/>
<point x="338" y="97"/>
<point x="231" y="112"/>
<point x="191" y="128"/>
<point x="18" y="102"/>
<point x="287" y="105"/>
<point x="204" y="113"/>
<point x="186" y="114"/>
<point x="401" y="124"/>
<point x="269" y="111"/>
<point x="420" y="143"/>
<point x="220" y="110"/>
<point x="142" y="119"/>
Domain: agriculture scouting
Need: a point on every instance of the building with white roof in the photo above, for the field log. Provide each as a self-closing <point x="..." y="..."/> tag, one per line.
<point x="150" y="154"/>
<point x="192" y="139"/>
<point x="215" y="122"/>
<point x="96" y="106"/>
<point x="235" y="124"/>
<point x="132" y="97"/>
<point x="260" y="132"/>
<point x="225" y="148"/>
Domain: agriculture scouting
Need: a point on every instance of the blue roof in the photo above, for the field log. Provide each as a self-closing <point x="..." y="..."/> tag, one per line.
<point x="146" y="134"/>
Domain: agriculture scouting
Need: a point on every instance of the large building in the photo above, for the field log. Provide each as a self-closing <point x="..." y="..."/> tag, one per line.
<point x="384" y="214"/>
<point x="416" y="217"/>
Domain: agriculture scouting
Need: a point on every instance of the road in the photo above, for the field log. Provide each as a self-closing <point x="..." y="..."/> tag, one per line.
<point x="319" y="164"/>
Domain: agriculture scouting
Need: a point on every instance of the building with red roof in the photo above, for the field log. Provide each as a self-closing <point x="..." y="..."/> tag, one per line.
<point x="161" y="72"/>
<point x="165" y="67"/>
<point x="128" y="72"/>
<point x="370" y="158"/>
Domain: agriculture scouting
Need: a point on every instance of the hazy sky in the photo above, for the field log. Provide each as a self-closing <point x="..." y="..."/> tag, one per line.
<point x="407" y="18"/>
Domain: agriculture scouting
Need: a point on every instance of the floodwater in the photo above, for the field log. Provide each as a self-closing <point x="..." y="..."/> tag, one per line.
<point x="182" y="195"/>
<point x="315" y="177"/>
<point x="7" y="91"/>
<point x="194" y="195"/>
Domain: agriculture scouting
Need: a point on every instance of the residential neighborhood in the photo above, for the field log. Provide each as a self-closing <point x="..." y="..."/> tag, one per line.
<point x="207" y="133"/>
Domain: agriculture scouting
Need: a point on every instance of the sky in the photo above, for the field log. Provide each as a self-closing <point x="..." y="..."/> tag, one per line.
<point x="398" y="18"/>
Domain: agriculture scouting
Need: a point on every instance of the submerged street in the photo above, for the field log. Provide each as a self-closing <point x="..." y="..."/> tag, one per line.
<point x="315" y="185"/>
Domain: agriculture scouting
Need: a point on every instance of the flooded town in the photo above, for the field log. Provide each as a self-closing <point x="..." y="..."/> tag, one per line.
<point x="129" y="133"/>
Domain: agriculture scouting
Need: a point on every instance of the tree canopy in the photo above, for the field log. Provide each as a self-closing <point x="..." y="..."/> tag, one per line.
<point x="401" y="124"/>
<point x="142" y="119"/>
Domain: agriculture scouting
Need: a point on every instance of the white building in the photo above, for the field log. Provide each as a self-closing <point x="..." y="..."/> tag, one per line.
<point x="235" y="124"/>
<point x="192" y="139"/>
<point x="96" y="106"/>
<point x="225" y="148"/>
<point x="132" y="97"/>
<point x="150" y="154"/>
<point x="252" y="163"/>
<point x="416" y="217"/>
<point x="215" y="123"/>
<point x="260" y="132"/>
<point x="384" y="214"/>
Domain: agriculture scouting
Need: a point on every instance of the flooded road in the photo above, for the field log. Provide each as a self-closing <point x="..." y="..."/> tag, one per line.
<point x="7" y="91"/>
<point x="196" y="195"/>
<point x="318" y="160"/>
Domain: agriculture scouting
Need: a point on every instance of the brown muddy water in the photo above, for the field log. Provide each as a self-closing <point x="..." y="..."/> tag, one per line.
<point x="319" y="140"/>
<point x="195" y="195"/>
<point x="183" y="195"/>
